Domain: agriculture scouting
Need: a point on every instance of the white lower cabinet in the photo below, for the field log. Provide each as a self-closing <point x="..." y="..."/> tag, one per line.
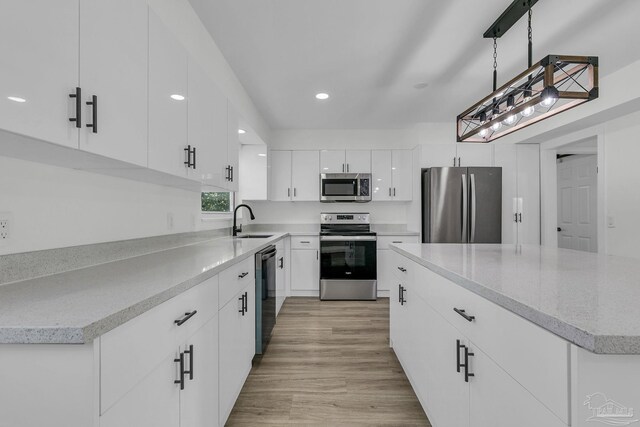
<point x="500" y="353"/>
<point x="385" y="260"/>
<point x="305" y="270"/>
<point x="236" y="347"/>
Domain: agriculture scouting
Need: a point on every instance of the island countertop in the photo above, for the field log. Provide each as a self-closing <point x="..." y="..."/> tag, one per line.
<point x="76" y="306"/>
<point x="588" y="299"/>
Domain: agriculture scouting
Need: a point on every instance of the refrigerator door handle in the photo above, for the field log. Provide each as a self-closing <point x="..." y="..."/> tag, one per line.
<point x="473" y="208"/>
<point x="465" y="208"/>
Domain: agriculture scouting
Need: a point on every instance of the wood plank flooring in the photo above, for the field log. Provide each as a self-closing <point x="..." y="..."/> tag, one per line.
<point x="329" y="364"/>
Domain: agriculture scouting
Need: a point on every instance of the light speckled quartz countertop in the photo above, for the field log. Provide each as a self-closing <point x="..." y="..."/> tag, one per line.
<point x="76" y="306"/>
<point x="588" y="299"/>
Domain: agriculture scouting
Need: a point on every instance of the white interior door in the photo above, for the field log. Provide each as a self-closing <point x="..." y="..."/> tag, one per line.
<point x="39" y="68"/>
<point x="114" y="40"/>
<point x="577" y="203"/>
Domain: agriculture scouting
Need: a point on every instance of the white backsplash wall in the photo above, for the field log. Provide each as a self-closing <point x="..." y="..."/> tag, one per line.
<point x="309" y="212"/>
<point x="54" y="207"/>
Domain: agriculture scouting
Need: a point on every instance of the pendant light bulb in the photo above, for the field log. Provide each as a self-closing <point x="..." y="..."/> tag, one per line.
<point x="483" y="133"/>
<point x="511" y="119"/>
<point x="549" y="96"/>
<point x="496" y="126"/>
<point x="528" y="111"/>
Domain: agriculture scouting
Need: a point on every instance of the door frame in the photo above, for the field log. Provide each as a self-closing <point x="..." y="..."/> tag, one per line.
<point x="549" y="185"/>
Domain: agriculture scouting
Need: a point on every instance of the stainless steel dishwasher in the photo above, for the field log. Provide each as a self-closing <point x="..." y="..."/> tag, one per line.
<point x="265" y="296"/>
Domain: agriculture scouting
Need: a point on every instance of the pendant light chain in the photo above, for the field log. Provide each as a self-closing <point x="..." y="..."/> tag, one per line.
<point x="530" y="36"/>
<point x="495" y="63"/>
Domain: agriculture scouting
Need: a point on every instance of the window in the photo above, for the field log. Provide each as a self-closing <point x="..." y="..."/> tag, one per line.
<point x="218" y="202"/>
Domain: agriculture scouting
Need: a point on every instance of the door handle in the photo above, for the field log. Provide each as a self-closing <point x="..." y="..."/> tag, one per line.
<point x="281" y="262"/>
<point x="190" y="353"/>
<point x="241" y="299"/>
<point x="246" y="302"/>
<point x="347" y="167"/>
<point x="180" y="381"/>
<point x="465" y="208"/>
<point x="186" y="317"/>
<point x="288" y="192"/>
<point x="467" y="374"/>
<point x="515" y="217"/>
<point x="94" y="114"/>
<point x="295" y="192"/>
<point x="473" y="208"/>
<point x="394" y="191"/>
<point x="464" y="314"/>
<point x="519" y="217"/>
<point x="389" y="191"/>
<point x="343" y="168"/>
<point x="458" y="347"/>
<point x="78" y="118"/>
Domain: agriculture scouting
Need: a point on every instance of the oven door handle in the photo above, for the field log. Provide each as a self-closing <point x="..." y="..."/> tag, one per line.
<point x="347" y="238"/>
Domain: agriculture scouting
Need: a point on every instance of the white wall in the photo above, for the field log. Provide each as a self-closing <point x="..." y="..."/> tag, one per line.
<point x="56" y="207"/>
<point x="619" y="194"/>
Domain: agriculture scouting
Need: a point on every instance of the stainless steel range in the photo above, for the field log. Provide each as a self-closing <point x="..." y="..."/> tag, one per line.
<point x="347" y="257"/>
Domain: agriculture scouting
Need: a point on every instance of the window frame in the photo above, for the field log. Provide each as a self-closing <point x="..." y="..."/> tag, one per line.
<point x="211" y="215"/>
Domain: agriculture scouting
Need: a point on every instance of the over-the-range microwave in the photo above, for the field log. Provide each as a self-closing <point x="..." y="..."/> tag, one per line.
<point x="345" y="187"/>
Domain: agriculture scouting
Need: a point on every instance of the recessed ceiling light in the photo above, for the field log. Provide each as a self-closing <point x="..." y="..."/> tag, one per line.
<point x="177" y="97"/>
<point x="16" y="99"/>
<point x="322" y="96"/>
<point x="242" y="131"/>
<point x="262" y="155"/>
<point x="421" y="85"/>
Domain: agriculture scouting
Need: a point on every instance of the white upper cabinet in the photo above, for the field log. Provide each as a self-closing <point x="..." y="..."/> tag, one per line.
<point x="392" y="175"/>
<point x="113" y="68"/>
<point x="168" y="76"/>
<point x="207" y="127"/>
<point x="401" y="174"/>
<point x="345" y="161"/>
<point x="474" y="154"/>
<point x="358" y="161"/>
<point x="332" y="161"/>
<point x="305" y="175"/>
<point x="381" y="175"/>
<point x="459" y="154"/>
<point x="233" y="147"/>
<point x="280" y="176"/>
<point x="39" y="69"/>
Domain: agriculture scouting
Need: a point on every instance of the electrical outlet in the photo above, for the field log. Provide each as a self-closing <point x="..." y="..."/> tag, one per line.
<point x="6" y="221"/>
<point x="4" y="229"/>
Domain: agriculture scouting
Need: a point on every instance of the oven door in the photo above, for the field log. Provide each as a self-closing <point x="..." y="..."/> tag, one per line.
<point x="348" y="258"/>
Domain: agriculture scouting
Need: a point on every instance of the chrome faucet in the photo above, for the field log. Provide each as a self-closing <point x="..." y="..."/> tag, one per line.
<point x="236" y="229"/>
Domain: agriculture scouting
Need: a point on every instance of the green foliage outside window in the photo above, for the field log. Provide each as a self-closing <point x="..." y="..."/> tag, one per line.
<point x="216" y="202"/>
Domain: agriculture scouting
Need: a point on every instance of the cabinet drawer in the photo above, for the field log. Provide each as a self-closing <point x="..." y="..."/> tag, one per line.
<point x="236" y="278"/>
<point x="514" y="343"/>
<point x="402" y="268"/>
<point x="385" y="241"/>
<point x="129" y="352"/>
<point x="305" y="242"/>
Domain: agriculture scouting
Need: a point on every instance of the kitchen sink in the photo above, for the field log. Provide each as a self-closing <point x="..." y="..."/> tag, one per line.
<point x="254" y="236"/>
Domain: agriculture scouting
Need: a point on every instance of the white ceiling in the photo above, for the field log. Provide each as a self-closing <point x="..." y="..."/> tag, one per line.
<point x="369" y="54"/>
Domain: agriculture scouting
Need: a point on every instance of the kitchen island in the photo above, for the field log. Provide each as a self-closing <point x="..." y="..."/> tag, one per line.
<point x="518" y="335"/>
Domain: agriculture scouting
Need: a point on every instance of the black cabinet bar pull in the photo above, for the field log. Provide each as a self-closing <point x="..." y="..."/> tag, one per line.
<point x="519" y="217"/>
<point x="467" y="374"/>
<point x="94" y="113"/>
<point x="194" y="157"/>
<point x="458" y="347"/>
<point x="515" y="217"/>
<point x="402" y="291"/>
<point x="243" y="275"/>
<point x="241" y="299"/>
<point x="78" y="118"/>
<point x="400" y="294"/>
<point x="404" y="270"/>
<point x="186" y="317"/>
<point x="464" y="314"/>
<point x="190" y="353"/>
<point x="187" y="151"/>
<point x="231" y="172"/>
<point x="394" y="191"/>
<point x="281" y="262"/>
<point x="246" y="302"/>
<point x="397" y="241"/>
<point x="181" y="380"/>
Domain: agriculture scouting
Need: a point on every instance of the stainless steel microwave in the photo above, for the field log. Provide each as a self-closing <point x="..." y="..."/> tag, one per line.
<point x="345" y="187"/>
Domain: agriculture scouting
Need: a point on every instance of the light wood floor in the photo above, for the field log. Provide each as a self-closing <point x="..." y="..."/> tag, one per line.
<point x="329" y="363"/>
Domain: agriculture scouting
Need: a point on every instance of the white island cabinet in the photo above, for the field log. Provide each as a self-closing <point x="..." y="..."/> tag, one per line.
<point x="481" y="350"/>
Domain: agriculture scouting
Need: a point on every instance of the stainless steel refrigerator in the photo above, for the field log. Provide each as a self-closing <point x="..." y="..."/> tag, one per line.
<point x="462" y="205"/>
